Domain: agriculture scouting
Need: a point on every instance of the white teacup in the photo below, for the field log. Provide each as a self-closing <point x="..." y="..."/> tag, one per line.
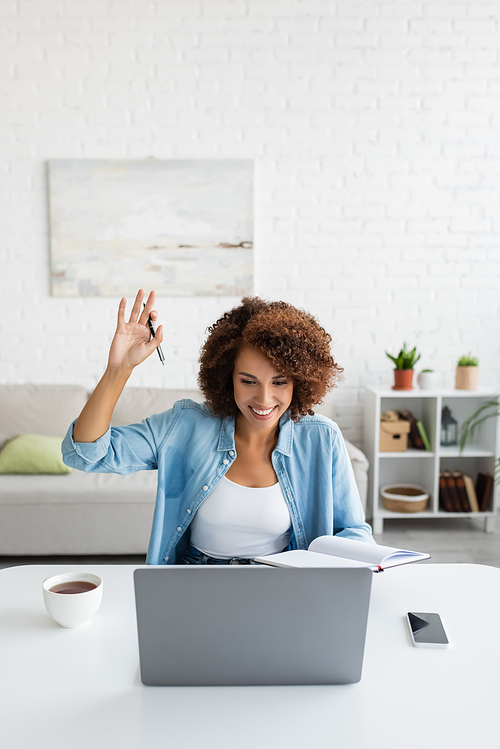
<point x="72" y="598"/>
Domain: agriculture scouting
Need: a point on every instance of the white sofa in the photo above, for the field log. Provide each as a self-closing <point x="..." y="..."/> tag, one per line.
<point x="80" y="513"/>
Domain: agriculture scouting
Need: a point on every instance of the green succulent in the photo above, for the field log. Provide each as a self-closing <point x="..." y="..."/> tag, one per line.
<point x="405" y="359"/>
<point x="468" y="361"/>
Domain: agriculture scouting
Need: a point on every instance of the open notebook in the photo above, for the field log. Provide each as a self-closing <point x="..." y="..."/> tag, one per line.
<point x="335" y="551"/>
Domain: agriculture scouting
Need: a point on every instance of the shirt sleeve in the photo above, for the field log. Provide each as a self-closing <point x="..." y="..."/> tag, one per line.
<point x="349" y="517"/>
<point x="122" y="449"/>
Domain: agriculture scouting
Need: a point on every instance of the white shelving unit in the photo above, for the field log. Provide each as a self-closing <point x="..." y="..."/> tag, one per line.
<point x="422" y="467"/>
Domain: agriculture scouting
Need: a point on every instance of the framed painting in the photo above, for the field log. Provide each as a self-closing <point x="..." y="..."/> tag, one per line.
<point x="181" y="227"/>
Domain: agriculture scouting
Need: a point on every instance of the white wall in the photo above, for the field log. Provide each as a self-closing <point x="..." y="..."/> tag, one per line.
<point x="375" y="131"/>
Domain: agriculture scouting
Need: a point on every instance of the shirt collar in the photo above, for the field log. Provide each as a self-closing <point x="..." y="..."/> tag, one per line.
<point x="226" y="434"/>
<point x="285" y="438"/>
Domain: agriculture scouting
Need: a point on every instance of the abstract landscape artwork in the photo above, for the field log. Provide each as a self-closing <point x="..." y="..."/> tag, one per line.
<point x="181" y="227"/>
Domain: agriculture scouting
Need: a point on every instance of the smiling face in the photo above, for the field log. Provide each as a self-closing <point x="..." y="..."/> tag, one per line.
<point x="261" y="393"/>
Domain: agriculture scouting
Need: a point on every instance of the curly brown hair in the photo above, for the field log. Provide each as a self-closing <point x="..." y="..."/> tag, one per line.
<point x="291" y="339"/>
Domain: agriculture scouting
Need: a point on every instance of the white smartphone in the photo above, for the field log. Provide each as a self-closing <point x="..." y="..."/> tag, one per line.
<point x="426" y="630"/>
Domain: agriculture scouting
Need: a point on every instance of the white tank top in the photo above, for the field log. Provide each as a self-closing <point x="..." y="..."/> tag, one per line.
<point x="241" y="521"/>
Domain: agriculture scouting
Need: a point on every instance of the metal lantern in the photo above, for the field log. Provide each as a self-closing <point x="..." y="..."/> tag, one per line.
<point x="449" y="428"/>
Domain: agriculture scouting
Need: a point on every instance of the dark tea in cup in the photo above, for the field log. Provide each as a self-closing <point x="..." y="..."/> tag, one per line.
<point x="73" y="586"/>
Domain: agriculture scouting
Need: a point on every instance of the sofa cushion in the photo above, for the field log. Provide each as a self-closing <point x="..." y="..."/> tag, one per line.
<point x="81" y="513"/>
<point x="39" y="409"/>
<point x="32" y="453"/>
<point x="79" y="488"/>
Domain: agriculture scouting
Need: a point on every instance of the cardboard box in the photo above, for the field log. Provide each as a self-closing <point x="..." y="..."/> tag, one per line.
<point x="394" y="436"/>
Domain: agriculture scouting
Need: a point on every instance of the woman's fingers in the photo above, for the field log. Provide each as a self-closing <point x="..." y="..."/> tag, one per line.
<point x="140" y="313"/>
<point x="121" y="311"/>
<point x="148" y="308"/>
<point x="159" y="335"/>
<point x="153" y="343"/>
<point x="136" y="309"/>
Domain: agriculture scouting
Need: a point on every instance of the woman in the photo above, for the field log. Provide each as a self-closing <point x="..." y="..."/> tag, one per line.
<point x="252" y="471"/>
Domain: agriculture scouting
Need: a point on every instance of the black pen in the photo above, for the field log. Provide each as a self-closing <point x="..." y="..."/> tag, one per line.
<point x="153" y="333"/>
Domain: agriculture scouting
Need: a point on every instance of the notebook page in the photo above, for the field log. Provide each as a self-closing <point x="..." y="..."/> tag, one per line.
<point x="370" y="554"/>
<point x="401" y="556"/>
<point x="302" y="558"/>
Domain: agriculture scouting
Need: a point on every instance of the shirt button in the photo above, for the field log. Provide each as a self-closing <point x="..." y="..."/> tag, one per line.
<point x="231" y="453"/>
<point x="179" y="528"/>
<point x="188" y="512"/>
<point x="225" y="461"/>
<point x="205" y="488"/>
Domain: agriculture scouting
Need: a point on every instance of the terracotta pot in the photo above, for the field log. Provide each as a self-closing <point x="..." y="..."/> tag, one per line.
<point x="466" y="378"/>
<point x="403" y="379"/>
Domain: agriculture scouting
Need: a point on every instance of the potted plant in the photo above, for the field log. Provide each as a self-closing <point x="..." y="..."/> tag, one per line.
<point x="467" y="373"/>
<point x="404" y="363"/>
<point x="468" y="430"/>
<point x="427" y="379"/>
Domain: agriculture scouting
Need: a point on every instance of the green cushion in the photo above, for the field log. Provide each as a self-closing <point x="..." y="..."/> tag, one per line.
<point x="32" y="453"/>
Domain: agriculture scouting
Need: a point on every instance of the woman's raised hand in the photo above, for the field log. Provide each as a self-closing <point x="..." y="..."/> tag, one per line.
<point x="132" y="342"/>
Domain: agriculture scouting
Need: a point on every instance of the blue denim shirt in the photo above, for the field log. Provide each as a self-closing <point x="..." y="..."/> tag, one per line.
<point x="192" y="449"/>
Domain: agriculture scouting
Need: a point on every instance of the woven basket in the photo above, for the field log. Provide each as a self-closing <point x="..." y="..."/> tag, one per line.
<point x="404" y="498"/>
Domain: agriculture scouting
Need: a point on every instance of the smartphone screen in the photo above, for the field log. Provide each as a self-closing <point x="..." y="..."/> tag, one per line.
<point x="427" y="630"/>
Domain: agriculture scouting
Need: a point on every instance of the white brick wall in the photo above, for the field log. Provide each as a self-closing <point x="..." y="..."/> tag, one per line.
<point x="374" y="128"/>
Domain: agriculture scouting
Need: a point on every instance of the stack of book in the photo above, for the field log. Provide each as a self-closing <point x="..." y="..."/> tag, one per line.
<point x="458" y="493"/>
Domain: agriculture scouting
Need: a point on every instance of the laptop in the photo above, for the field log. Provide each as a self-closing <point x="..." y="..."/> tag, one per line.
<point x="233" y="625"/>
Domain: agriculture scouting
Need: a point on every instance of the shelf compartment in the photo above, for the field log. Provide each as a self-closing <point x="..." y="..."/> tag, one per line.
<point x="417" y="472"/>
<point x="461" y="409"/>
<point x="422" y="408"/>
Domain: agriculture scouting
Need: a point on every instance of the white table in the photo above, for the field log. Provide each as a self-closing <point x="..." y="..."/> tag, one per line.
<point x="81" y="688"/>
